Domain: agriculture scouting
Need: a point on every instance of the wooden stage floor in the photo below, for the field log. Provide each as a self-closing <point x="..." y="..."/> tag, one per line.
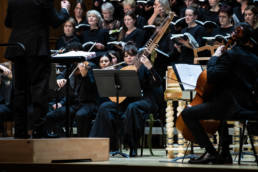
<point x="149" y="163"/>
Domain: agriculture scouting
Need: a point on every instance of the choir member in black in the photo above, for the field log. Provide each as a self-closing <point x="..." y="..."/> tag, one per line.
<point x="5" y="96"/>
<point x="203" y="4"/>
<point x="233" y="75"/>
<point x="239" y="10"/>
<point x="187" y="3"/>
<point x="226" y="27"/>
<point x="30" y="21"/>
<point x="79" y="11"/>
<point x="69" y="36"/>
<point x="127" y="121"/>
<point x="225" y="20"/>
<point x="183" y="46"/>
<point x="176" y="6"/>
<point x="251" y="17"/>
<point x="95" y="33"/>
<point x="145" y="9"/>
<point x="130" y="5"/>
<point x="161" y="11"/>
<point x="213" y="13"/>
<point x="130" y="32"/>
<point x="110" y="23"/>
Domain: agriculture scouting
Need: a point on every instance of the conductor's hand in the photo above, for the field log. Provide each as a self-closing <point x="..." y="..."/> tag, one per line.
<point x="5" y="70"/>
<point x="219" y="51"/>
<point x="61" y="82"/>
<point x="65" y="4"/>
<point x="146" y="62"/>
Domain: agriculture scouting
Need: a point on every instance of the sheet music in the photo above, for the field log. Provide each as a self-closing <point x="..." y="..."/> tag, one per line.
<point x="188" y="75"/>
<point x="87" y="55"/>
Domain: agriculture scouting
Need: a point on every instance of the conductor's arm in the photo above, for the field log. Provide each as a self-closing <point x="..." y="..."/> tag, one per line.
<point x="8" y="18"/>
<point x="57" y="18"/>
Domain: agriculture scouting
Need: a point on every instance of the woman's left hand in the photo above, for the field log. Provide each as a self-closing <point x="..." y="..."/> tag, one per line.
<point x="146" y="62"/>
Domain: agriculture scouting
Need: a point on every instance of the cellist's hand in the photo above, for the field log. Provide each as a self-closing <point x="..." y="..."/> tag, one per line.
<point x="146" y="62"/>
<point x="219" y="51"/>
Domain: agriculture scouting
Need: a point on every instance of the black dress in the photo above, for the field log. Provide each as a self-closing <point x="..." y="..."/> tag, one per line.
<point x="65" y="42"/>
<point x="136" y="36"/>
<point x="186" y="55"/>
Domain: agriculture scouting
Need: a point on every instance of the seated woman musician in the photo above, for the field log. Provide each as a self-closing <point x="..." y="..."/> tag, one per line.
<point x="128" y="119"/>
<point x="233" y="74"/>
<point x="83" y="103"/>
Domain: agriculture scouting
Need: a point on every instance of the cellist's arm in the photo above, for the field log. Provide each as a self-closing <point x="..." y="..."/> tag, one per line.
<point x="218" y="69"/>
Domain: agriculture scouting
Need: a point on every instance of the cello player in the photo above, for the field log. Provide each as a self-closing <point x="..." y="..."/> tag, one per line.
<point x="233" y="74"/>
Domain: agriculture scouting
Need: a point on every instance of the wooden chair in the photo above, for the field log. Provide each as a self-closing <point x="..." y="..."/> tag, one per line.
<point x="209" y="48"/>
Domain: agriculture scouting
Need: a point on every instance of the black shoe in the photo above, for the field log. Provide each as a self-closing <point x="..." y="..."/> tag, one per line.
<point x="133" y="152"/>
<point x="22" y="136"/>
<point x="39" y="133"/>
<point x="225" y="158"/>
<point x="206" y="159"/>
<point x="201" y="157"/>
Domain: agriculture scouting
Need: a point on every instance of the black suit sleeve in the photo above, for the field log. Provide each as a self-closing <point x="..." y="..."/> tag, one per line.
<point x="218" y="69"/>
<point x="8" y="19"/>
<point x="55" y="18"/>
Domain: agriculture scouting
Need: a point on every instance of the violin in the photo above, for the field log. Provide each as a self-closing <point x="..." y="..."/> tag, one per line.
<point x="203" y="89"/>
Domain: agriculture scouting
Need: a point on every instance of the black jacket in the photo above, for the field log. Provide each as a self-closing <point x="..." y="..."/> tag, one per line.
<point x="30" y="21"/>
<point x="234" y="75"/>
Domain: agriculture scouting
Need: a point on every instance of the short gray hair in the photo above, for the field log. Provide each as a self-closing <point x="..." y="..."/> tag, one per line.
<point x="97" y="14"/>
<point x="108" y="6"/>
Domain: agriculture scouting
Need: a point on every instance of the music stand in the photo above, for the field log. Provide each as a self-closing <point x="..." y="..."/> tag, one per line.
<point x="116" y="83"/>
<point x="68" y="62"/>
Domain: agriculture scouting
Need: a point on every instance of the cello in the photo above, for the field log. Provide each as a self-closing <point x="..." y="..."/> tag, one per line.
<point x="204" y="89"/>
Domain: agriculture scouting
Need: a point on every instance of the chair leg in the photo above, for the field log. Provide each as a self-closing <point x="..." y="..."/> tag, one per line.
<point x="252" y="144"/>
<point x="242" y="134"/>
<point x="143" y="141"/>
<point x="151" y="121"/>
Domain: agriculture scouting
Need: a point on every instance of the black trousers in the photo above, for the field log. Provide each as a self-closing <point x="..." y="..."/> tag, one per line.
<point x="82" y="114"/>
<point x="119" y="123"/>
<point x="5" y="115"/>
<point x="31" y="81"/>
<point x="193" y="115"/>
